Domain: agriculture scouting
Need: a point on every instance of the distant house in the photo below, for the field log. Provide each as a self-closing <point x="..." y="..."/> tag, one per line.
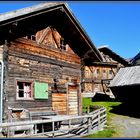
<point x="44" y="50"/>
<point x="126" y="84"/>
<point x="99" y="74"/>
<point x="135" y="60"/>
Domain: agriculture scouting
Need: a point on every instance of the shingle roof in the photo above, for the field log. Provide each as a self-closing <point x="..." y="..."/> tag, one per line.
<point x="126" y="77"/>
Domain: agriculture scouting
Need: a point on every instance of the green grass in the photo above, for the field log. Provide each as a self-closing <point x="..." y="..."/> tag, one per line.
<point x="109" y="131"/>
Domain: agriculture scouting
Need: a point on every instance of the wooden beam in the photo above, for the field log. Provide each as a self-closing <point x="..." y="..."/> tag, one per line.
<point x="54" y="37"/>
<point x="5" y="61"/>
<point x="104" y="63"/>
<point x="42" y="37"/>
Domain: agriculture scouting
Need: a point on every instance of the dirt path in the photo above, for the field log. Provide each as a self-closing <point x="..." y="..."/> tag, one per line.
<point x="126" y="126"/>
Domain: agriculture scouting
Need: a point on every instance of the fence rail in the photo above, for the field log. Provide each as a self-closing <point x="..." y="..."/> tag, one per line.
<point x="58" y="126"/>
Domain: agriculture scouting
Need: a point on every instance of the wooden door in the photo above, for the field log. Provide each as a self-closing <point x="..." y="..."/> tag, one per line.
<point x="73" y="99"/>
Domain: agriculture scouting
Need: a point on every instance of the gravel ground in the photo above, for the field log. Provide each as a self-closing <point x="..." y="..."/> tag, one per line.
<point x="126" y="126"/>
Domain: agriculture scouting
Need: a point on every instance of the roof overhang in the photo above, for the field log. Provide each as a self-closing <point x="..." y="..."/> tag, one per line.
<point x="109" y="64"/>
<point x="115" y="56"/>
<point x="19" y="23"/>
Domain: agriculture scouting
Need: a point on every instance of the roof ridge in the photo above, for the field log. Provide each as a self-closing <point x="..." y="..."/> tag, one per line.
<point x="27" y="10"/>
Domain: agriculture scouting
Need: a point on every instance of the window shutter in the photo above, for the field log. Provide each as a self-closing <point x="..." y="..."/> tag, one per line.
<point x="40" y="90"/>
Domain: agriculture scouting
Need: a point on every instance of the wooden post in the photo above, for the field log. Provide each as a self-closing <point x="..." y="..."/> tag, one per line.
<point x="99" y="120"/>
<point x="35" y="131"/>
<point x="88" y="110"/>
<point x="67" y="104"/>
<point x="53" y="129"/>
<point x="42" y="128"/>
<point x="69" y="124"/>
<point x="5" y="78"/>
<point x="89" y="125"/>
<point x="82" y="75"/>
<point x="9" y="132"/>
<point x="79" y="99"/>
<point x="58" y="124"/>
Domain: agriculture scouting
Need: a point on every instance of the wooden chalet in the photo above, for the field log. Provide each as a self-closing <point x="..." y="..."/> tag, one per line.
<point x="44" y="50"/>
<point x="99" y="74"/>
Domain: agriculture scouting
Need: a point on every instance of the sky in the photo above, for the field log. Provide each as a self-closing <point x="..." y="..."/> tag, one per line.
<point x="115" y="24"/>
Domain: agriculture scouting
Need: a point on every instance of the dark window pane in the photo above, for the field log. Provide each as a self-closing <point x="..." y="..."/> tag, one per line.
<point x="110" y="71"/>
<point x="27" y="84"/>
<point x="20" y="84"/>
<point x="21" y="94"/>
<point x="98" y="71"/>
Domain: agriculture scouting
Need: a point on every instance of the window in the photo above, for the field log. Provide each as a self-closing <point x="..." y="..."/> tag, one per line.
<point x="110" y="72"/>
<point x="24" y="90"/>
<point x="62" y="44"/>
<point x="104" y="73"/>
<point x="98" y="71"/>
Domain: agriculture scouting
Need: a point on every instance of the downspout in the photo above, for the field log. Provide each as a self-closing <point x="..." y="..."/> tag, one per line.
<point x="1" y="92"/>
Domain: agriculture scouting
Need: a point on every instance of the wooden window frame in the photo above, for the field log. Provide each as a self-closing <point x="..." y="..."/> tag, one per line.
<point x="17" y="93"/>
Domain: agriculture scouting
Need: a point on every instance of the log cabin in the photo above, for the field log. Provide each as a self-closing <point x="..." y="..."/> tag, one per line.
<point x="99" y="74"/>
<point x="43" y="52"/>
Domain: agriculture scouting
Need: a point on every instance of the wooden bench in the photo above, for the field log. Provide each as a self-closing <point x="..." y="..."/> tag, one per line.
<point x="38" y="113"/>
<point x="35" y="113"/>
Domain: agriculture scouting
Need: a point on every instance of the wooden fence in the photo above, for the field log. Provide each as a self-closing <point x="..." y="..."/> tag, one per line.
<point x="59" y="125"/>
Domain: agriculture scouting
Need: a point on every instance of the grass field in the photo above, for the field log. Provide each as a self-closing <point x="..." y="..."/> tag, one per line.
<point x="110" y="130"/>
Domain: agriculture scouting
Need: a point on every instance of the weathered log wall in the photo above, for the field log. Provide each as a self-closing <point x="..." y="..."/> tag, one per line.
<point x="1" y="52"/>
<point x="69" y="103"/>
<point x="94" y="75"/>
<point x="59" y="102"/>
<point x="29" y="61"/>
